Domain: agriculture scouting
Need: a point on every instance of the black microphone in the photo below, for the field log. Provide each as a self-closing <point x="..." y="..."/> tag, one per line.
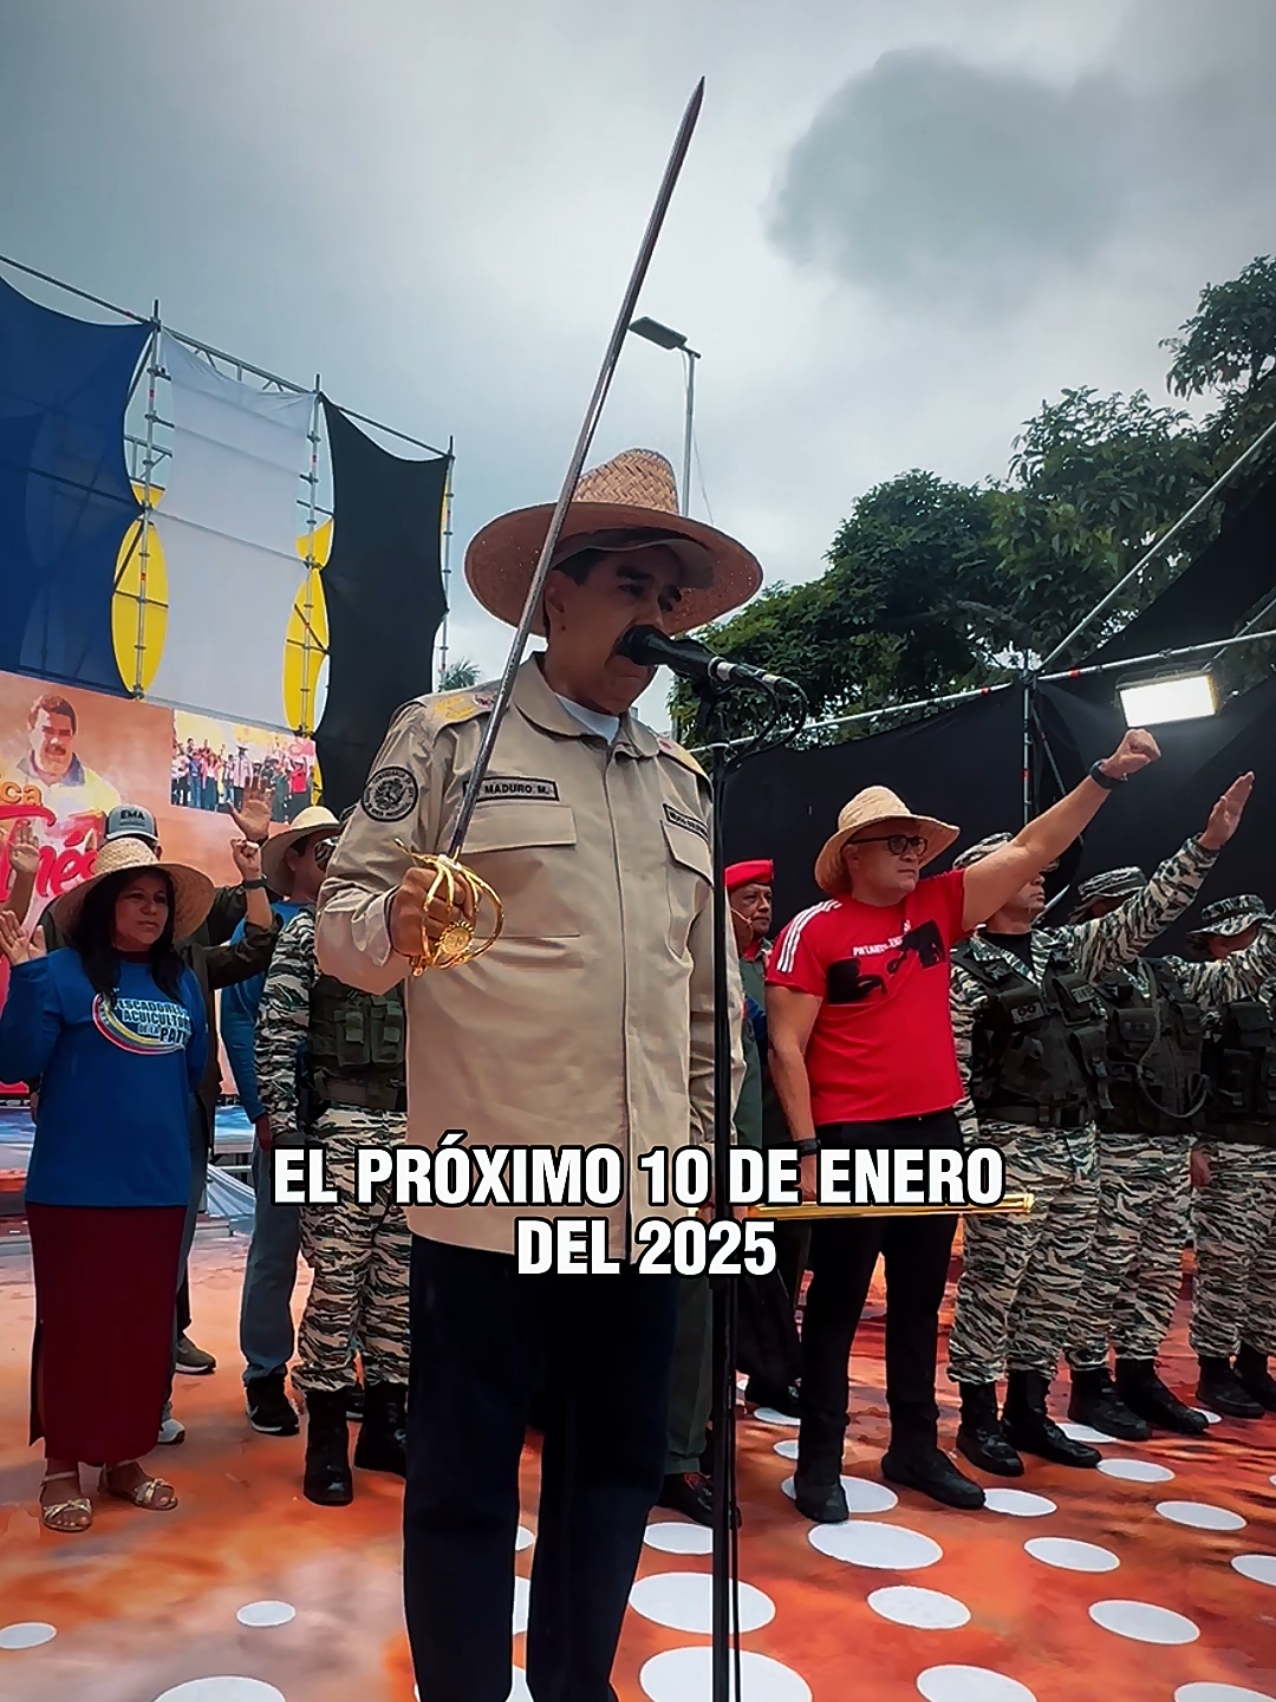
<point x="651" y="648"/>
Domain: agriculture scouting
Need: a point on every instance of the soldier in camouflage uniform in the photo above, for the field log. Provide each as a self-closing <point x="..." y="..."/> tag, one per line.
<point x="331" y="1072"/>
<point x="1031" y="1041"/>
<point x="1157" y="1057"/>
<point x="1234" y="1208"/>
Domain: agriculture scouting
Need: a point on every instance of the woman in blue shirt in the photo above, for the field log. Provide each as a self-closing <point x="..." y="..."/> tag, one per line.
<point x="114" y="1026"/>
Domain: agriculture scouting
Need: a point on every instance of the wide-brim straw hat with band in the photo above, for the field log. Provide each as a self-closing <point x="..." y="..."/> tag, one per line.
<point x="1228" y="916"/>
<point x="872" y="807"/>
<point x="192" y="891"/>
<point x="630" y="503"/>
<point x="310" y="822"/>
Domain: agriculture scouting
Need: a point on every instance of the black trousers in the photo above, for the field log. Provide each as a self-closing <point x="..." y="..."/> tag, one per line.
<point x="843" y="1257"/>
<point x="482" y="1336"/>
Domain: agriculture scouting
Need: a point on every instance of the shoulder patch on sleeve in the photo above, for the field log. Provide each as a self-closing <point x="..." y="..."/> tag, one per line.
<point x="679" y="755"/>
<point x="390" y="795"/>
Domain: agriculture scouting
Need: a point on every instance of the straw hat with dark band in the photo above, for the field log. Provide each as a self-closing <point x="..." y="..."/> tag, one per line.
<point x="312" y="821"/>
<point x="631" y="503"/>
<point x="874" y="807"/>
<point x="192" y="891"/>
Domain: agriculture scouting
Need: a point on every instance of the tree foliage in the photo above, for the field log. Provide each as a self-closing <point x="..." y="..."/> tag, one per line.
<point x="460" y="675"/>
<point x="931" y="587"/>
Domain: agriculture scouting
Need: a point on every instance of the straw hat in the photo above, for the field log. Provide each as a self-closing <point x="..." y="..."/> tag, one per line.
<point x="874" y="805"/>
<point x="315" y="820"/>
<point x="192" y="891"/>
<point x="628" y="504"/>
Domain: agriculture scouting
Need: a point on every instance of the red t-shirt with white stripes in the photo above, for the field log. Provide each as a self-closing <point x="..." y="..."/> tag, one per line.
<point x="882" y="1044"/>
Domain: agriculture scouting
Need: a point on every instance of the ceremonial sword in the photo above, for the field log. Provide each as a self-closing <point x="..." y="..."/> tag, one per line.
<point x="457" y="886"/>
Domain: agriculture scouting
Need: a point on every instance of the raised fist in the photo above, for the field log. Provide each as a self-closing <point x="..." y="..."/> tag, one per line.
<point x="1136" y="750"/>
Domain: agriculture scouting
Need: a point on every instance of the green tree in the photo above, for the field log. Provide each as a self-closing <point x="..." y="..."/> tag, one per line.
<point x="460" y="675"/>
<point x="1228" y="349"/>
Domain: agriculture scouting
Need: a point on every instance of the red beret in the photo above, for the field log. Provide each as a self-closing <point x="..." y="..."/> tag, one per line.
<point x="762" y="870"/>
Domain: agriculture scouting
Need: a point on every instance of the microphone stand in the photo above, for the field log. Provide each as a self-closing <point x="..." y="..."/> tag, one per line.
<point x="711" y="734"/>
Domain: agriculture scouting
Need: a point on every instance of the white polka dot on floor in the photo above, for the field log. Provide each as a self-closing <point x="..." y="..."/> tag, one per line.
<point x="1258" y="1568"/>
<point x="787" y="1450"/>
<point x="768" y="1415"/>
<point x="683" y="1601"/>
<point x="1200" y="1516"/>
<point x="523" y="1540"/>
<point x="862" y="1495"/>
<point x="674" y="1536"/>
<point x="266" y="1613"/>
<point x="222" y="1690"/>
<point x="1071" y="1556"/>
<point x="1210" y="1692"/>
<point x="885" y="1548"/>
<point x="1084" y="1433"/>
<point x="522" y="1604"/>
<point x="27" y="1634"/>
<point x="684" y="1675"/>
<point x="1207" y="1415"/>
<point x="927" y="1610"/>
<point x="1142" y="1622"/>
<point x="1135" y="1471"/>
<point x="1019" y="1503"/>
<point x="971" y="1684"/>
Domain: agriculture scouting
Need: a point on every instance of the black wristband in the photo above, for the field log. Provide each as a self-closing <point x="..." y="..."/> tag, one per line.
<point x="253" y="886"/>
<point x="807" y="1149"/>
<point x="1105" y="780"/>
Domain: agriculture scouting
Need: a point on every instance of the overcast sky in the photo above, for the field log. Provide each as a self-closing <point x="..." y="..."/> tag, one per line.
<point x="902" y="225"/>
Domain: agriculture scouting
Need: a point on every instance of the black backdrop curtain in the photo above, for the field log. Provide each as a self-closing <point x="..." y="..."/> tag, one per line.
<point x="383" y="587"/>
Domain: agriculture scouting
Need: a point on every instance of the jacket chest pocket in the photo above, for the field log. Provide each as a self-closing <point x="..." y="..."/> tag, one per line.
<point x="526" y="852"/>
<point x="689" y="878"/>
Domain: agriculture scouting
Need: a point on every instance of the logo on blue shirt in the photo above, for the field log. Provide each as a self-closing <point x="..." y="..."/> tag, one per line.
<point x="143" y="1026"/>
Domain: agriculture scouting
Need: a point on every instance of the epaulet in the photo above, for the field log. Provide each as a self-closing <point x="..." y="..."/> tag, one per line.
<point x="669" y="748"/>
<point x="445" y="708"/>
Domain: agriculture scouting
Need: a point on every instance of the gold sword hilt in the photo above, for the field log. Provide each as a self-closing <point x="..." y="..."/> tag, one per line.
<point x="461" y="890"/>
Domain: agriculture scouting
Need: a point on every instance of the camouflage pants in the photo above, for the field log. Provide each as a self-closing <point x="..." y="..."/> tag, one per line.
<point x="1020" y="1275"/>
<point x="1135" y="1269"/>
<point x="360" y="1257"/>
<point x="1234" y="1222"/>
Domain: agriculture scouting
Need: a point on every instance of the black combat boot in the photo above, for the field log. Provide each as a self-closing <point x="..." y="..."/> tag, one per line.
<point x="1145" y="1394"/>
<point x="1029" y="1427"/>
<point x="383" y="1433"/>
<point x="1222" y="1391"/>
<point x="1254" y="1378"/>
<point x="327" y="1482"/>
<point x="929" y="1471"/>
<point x="822" y="1503"/>
<point x="980" y="1437"/>
<point x="1096" y="1402"/>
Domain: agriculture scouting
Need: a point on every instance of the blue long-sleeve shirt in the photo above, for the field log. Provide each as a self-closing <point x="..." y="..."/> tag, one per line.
<point x="239" y="1006"/>
<point x="117" y="1081"/>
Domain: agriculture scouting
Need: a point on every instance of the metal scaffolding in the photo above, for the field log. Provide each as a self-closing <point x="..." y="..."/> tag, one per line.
<point x="147" y="439"/>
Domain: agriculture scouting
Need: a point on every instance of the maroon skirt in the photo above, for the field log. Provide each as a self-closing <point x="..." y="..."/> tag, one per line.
<point x="105" y="1304"/>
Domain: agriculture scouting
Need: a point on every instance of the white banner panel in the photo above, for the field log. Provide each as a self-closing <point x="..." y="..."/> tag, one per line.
<point x="228" y="521"/>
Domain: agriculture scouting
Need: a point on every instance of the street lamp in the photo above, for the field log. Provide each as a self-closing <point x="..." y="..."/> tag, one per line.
<point x="665" y="338"/>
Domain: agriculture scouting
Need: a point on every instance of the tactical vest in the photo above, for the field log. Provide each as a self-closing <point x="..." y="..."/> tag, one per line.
<point x="1156" y="1042"/>
<point x="356" y="1048"/>
<point x="1039" y="1049"/>
<point x="1240" y="1060"/>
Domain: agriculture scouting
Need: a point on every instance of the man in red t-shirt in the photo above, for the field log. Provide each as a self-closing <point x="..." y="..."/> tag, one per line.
<point x="862" y="1056"/>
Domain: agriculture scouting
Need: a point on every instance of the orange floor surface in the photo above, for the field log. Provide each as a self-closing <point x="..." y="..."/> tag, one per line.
<point x="146" y="1606"/>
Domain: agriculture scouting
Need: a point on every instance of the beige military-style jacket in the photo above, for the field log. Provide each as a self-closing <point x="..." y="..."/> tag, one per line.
<point x="590" y="1021"/>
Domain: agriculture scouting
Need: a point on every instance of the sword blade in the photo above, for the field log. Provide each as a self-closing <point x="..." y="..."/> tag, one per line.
<point x="619" y="332"/>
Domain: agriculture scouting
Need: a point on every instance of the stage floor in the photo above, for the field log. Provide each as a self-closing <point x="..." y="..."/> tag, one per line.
<point x="1152" y="1581"/>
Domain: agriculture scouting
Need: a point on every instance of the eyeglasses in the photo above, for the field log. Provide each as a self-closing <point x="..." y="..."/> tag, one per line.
<point x="896" y="843"/>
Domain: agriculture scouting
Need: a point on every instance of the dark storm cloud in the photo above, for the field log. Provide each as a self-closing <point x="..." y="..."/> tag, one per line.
<point x="943" y="183"/>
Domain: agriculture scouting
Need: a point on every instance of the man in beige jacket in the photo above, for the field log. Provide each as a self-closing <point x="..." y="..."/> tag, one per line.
<point x="588" y="1024"/>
